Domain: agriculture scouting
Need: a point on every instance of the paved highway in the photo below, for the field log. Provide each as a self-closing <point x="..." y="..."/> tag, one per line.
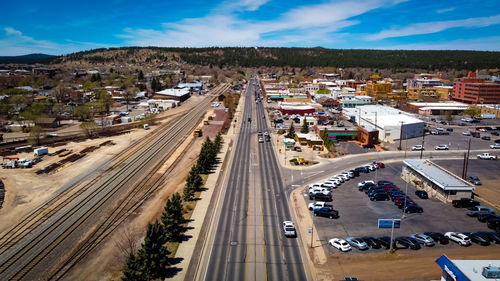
<point x="249" y="243"/>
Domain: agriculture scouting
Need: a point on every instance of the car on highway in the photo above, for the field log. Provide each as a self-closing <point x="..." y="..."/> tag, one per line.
<point x="357" y="243"/>
<point x="261" y="140"/>
<point x="423" y="239"/>
<point x="478" y="238"/>
<point x="422" y="194"/>
<point x="474" y="179"/>
<point x="289" y="229"/>
<point x="495" y="146"/>
<point x="437" y="237"/>
<point x="457" y="237"/>
<point x="441" y="147"/>
<point x="340" y="244"/>
<point x="413" y="208"/>
<point x="373" y="242"/>
<point x="417" y="147"/>
<point x="408" y="242"/>
<point x="327" y="212"/>
<point x="486" y="156"/>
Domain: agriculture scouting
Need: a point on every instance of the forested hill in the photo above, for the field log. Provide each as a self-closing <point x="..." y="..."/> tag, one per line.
<point x="297" y="57"/>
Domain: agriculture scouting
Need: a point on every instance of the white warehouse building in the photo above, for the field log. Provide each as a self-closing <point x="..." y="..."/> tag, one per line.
<point x="391" y="123"/>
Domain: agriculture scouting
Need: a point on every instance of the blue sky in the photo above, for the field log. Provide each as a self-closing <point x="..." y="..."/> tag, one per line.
<point x="60" y="27"/>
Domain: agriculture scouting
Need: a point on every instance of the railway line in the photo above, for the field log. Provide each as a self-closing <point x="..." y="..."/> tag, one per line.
<point x="65" y="217"/>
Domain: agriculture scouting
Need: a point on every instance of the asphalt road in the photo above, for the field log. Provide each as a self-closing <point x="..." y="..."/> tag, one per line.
<point x="249" y="243"/>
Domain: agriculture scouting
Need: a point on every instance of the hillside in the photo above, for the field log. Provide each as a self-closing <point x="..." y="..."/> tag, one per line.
<point x="295" y="57"/>
<point x="26" y="59"/>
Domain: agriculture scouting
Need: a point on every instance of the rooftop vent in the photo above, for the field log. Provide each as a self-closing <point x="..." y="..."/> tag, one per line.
<point x="491" y="272"/>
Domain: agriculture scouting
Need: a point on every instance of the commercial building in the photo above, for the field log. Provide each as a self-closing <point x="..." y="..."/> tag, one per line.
<point x="469" y="270"/>
<point x="491" y="109"/>
<point x="437" y="108"/>
<point x="475" y="90"/>
<point x="378" y="89"/>
<point x="363" y="134"/>
<point x="436" y="180"/>
<point x="180" y="94"/>
<point x="352" y="100"/>
<point x="391" y="123"/>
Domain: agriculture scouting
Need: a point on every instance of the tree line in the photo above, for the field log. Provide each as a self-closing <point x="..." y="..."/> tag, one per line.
<point x="151" y="261"/>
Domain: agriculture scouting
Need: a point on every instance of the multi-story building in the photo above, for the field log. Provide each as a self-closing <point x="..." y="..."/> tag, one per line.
<point x="378" y="89"/>
<point x="474" y="90"/>
<point x="438" y="93"/>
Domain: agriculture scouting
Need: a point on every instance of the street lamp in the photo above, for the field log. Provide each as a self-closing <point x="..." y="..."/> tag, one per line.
<point x="400" y="134"/>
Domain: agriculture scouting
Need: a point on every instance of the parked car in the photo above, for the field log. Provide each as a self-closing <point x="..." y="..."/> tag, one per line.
<point x="449" y="129"/>
<point x="478" y="238"/>
<point x="465" y="203"/>
<point x="413" y="208"/>
<point x="319" y="204"/>
<point x="492" y="236"/>
<point x="321" y="197"/>
<point x="385" y="241"/>
<point x="495" y="146"/>
<point x="408" y="242"/>
<point x="485" y="217"/>
<point x="417" y="147"/>
<point x="340" y="244"/>
<point x="494" y="223"/>
<point x="495" y="133"/>
<point x="357" y="243"/>
<point x="466" y="133"/>
<point x="381" y="165"/>
<point x="422" y="194"/>
<point x="289" y="229"/>
<point x="374" y="243"/>
<point x="365" y="185"/>
<point x="437" y="237"/>
<point x="423" y="239"/>
<point x="356" y="173"/>
<point x="327" y="212"/>
<point x="474" y="179"/>
<point x="441" y="147"/>
<point x="486" y="138"/>
<point x="384" y="182"/>
<point x="459" y="238"/>
<point x="474" y="211"/>
<point x="379" y="196"/>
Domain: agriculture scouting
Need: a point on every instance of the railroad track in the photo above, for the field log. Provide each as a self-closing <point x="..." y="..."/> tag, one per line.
<point x="41" y="214"/>
<point x="22" y="257"/>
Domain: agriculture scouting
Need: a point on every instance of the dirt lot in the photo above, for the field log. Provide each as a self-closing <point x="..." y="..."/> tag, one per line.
<point x="24" y="190"/>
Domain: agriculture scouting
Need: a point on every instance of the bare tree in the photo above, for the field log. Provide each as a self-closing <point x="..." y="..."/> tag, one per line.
<point x="127" y="242"/>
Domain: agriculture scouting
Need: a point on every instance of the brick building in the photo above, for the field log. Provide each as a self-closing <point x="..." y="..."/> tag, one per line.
<point x="475" y="90"/>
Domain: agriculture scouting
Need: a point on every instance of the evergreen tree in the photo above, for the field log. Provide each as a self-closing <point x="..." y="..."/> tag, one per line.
<point x="305" y="127"/>
<point x="132" y="270"/>
<point x="218" y="142"/>
<point x="188" y="193"/>
<point x="291" y="132"/>
<point x="152" y="257"/>
<point x="194" y="179"/>
<point x="140" y="76"/>
<point x="207" y="156"/>
<point x="172" y="218"/>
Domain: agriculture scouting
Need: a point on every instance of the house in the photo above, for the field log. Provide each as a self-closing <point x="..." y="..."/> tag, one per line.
<point x="47" y="122"/>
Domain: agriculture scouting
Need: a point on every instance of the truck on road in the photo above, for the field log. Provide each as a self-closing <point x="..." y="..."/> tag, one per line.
<point x="486" y="156"/>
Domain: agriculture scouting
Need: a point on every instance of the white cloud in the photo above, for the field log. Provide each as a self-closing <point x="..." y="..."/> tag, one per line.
<point x="226" y="29"/>
<point x="433" y="27"/>
<point x="16" y="43"/>
<point x="445" y="10"/>
<point x="252" y="5"/>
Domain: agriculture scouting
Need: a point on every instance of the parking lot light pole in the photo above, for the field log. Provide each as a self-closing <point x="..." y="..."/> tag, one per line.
<point x="392" y="237"/>
<point x="406" y="193"/>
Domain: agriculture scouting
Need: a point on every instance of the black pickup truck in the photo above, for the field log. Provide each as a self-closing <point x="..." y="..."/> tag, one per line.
<point x="465" y="203"/>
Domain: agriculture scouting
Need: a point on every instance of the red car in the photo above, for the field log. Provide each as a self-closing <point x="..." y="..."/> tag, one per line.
<point x="380" y="165"/>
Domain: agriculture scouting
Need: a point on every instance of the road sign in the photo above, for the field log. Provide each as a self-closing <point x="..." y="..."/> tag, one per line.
<point x="310" y="230"/>
<point x="387" y="223"/>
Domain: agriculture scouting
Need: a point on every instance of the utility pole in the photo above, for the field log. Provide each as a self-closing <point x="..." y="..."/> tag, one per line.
<point x="463" y="166"/>
<point x="467" y="160"/>
<point x="392" y="236"/>
<point x="406" y="145"/>
<point x="400" y="135"/>
<point x="423" y="140"/>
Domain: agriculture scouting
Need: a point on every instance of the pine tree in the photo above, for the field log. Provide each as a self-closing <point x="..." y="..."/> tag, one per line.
<point x="132" y="270"/>
<point x="291" y="132"/>
<point x="172" y="218"/>
<point x="207" y="156"/>
<point x="188" y="193"/>
<point x="194" y="179"/>
<point x="305" y="127"/>
<point x="153" y="256"/>
<point x="218" y="142"/>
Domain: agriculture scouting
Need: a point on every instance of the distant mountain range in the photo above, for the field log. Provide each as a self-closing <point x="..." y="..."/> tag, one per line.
<point x="30" y="58"/>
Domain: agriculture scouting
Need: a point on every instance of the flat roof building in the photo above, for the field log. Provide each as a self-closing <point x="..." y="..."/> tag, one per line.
<point x="181" y="94"/>
<point x="436" y="180"/>
<point x="469" y="270"/>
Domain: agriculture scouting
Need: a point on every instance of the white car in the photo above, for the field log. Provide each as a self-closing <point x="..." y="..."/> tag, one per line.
<point x="372" y="167"/>
<point x="460" y="238"/>
<point x="330" y="184"/>
<point x="341" y="179"/>
<point x="495" y="146"/>
<point x="483" y="130"/>
<point x="314" y="185"/>
<point x="340" y="244"/>
<point x="345" y="176"/>
<point x="315" y="205"/>
<point x="424" y="239"/>
<point x="365" y="182"/>
<point x="289" y="229"/>
<point x="261" y="140"/>
<point x="417" y="147"/>
<point x="441" y="147"/>
<point x="357" y="243"/>
<point x="336" y="180"/>
<point x="466" y="133"/>
<point x="323" y="190"/>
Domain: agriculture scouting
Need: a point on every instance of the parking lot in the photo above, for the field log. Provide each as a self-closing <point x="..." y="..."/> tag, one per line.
<point x="359" y="215"/>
